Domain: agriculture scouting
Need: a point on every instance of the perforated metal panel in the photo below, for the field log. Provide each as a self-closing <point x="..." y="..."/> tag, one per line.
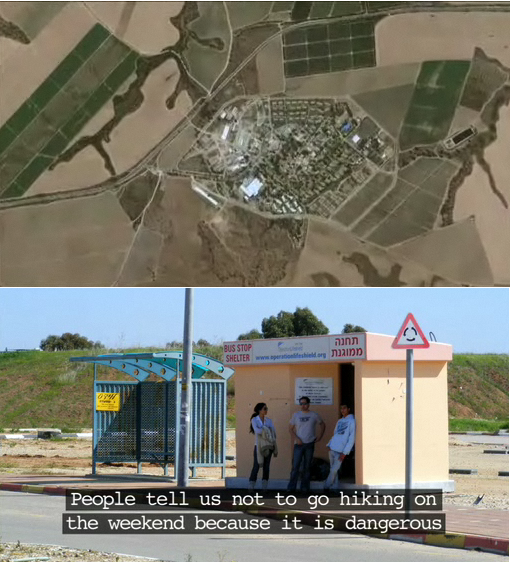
<point x="208" y="420"/>
<point x="144" y="430"/>
<point x="115" y="433"/>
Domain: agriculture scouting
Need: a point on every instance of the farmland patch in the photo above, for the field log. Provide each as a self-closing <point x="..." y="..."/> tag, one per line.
<point x="364" y="199"/>
<point x="36" y="135"/>
<point x="31" y="17"/>
<point x="433" y="104"/>
<point x="269" y="62"/>
<point x="454" y="252"/>
<point x="209" y="46"/>
<point x="242" y="14"/>
<point x="485" y="77"/>
<point x="388" y="106"/>
<point x="352" y="82"/>
<point x="324" y="48"/>
<point x="79" y="242"/>
<point x="334" y="256"/>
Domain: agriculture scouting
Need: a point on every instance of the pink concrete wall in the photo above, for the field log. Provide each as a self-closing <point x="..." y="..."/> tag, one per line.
<point x="381" y="423"/>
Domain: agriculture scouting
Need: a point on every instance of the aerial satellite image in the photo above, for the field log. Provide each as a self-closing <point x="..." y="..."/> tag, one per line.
<point x="321" y="144"/>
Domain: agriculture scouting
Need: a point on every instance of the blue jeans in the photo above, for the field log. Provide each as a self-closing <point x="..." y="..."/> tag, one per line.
<point x="256" y="467"/>
<point x="305" y="451"/>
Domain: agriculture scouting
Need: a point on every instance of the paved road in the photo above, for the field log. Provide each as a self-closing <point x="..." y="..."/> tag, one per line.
<point x="501" y="440"/>
<point x="34" y="518"/>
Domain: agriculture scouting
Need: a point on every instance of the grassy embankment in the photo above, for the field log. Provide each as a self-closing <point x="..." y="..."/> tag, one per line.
<point x="40" y="389"/>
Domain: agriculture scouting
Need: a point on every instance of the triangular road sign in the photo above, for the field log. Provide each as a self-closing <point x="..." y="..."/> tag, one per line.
<point x="410" y="335"/>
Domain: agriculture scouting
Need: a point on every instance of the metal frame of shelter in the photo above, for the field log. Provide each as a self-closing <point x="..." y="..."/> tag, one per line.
<point x="145" y="427"/>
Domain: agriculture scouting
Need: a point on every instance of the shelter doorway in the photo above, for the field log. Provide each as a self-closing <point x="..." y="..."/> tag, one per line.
<point x="347" y="371"/>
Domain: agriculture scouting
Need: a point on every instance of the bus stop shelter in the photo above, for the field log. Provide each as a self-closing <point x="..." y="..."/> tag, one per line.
<point x="138" y="421"/>
<point x="363" y="371"/>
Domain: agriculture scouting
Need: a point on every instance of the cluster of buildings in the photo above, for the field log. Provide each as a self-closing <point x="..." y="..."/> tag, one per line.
<point x="289" y="155"/>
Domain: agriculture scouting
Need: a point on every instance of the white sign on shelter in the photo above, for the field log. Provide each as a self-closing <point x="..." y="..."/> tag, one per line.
<point x="318" y="390"/>
<point x="309" y="349"/>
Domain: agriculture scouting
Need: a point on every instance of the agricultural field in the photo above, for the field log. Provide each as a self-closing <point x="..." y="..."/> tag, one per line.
<point x="387" y="106"/>
<point x="459" y="254"/>
<point x="254" y="143"/>
<point x="208" y="51"/>
<point x="433" y="104"/>
<point x="242" y="14"/>
<point x="411" y="207"/>
<point x="129" y="22"/>
<point x="80" y="242"/>
<point x="332" y="257"/>
<point x="30" y="17"/>
<point x="333" y="47"/>
<point x="485" y="77"/>
<point x="36" y="134"/>
<point x="364" y="198"/>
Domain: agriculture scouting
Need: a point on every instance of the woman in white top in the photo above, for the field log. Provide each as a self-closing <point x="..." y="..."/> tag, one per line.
<point x="264" y="444"/>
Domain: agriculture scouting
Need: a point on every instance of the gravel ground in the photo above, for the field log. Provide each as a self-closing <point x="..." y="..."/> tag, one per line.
<point x="10" y="552"/>
<point x="469" y="487"/>
<point x="72" y="457"/>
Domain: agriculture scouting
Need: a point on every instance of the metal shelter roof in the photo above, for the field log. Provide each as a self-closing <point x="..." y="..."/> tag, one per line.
<point x="164" y="365"/>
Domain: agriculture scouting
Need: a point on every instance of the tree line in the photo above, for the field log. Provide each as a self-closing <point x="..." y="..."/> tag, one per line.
<point x="302" y="322"/>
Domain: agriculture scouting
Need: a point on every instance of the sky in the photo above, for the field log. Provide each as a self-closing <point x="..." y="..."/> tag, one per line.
<point x="472" y="320"/>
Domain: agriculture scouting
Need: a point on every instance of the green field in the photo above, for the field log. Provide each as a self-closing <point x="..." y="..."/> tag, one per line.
<point x="281" y="6"/>
<point x="434" y="102"/>
<point x="329" y="48"/>
<point x="347" y="8"/>
<point x="40" y="130"/>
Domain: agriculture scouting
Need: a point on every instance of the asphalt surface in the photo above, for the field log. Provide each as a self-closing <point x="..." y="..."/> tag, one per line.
<point x="37" y="518"/>
<point x="501" y="440"/>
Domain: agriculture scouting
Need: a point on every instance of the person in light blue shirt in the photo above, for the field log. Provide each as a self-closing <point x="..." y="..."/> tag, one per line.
<point x="340" y="445"/>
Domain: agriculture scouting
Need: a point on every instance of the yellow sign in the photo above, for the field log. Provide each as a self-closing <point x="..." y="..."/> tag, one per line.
<point x="108" y="401"/>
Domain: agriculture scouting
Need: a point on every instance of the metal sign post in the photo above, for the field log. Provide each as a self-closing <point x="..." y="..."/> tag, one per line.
<point x="409" y="398"/>
<point x="186" y="385"/>
<point x="410" y="337"/>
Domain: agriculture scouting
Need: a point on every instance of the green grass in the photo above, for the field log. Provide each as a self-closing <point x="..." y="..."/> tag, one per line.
<point x="35" y="390"/>
<point x="465" y="424"/>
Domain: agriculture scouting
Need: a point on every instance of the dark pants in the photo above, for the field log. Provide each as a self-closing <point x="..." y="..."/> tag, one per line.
<point x="255" y="467"/>
<point x="305" y="451"/>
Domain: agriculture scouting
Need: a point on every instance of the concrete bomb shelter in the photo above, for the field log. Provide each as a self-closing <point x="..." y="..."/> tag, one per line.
<point x="362" y="370"/>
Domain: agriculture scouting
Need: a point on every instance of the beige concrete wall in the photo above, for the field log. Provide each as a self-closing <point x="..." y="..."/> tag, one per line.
<point x="381" y="422"/>
<point x="275" y="385"/>
<point x="379" y="406"/>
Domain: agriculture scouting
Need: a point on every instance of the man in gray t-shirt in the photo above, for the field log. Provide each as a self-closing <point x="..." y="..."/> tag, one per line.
<point x="303" y="428"/>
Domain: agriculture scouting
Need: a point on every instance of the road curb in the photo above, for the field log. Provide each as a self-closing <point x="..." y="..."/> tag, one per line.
<point x="34" y="489"/>
<point x="446" y="540"/>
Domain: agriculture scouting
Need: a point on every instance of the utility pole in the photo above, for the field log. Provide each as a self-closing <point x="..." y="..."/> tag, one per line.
<point x="186" y="384"/>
